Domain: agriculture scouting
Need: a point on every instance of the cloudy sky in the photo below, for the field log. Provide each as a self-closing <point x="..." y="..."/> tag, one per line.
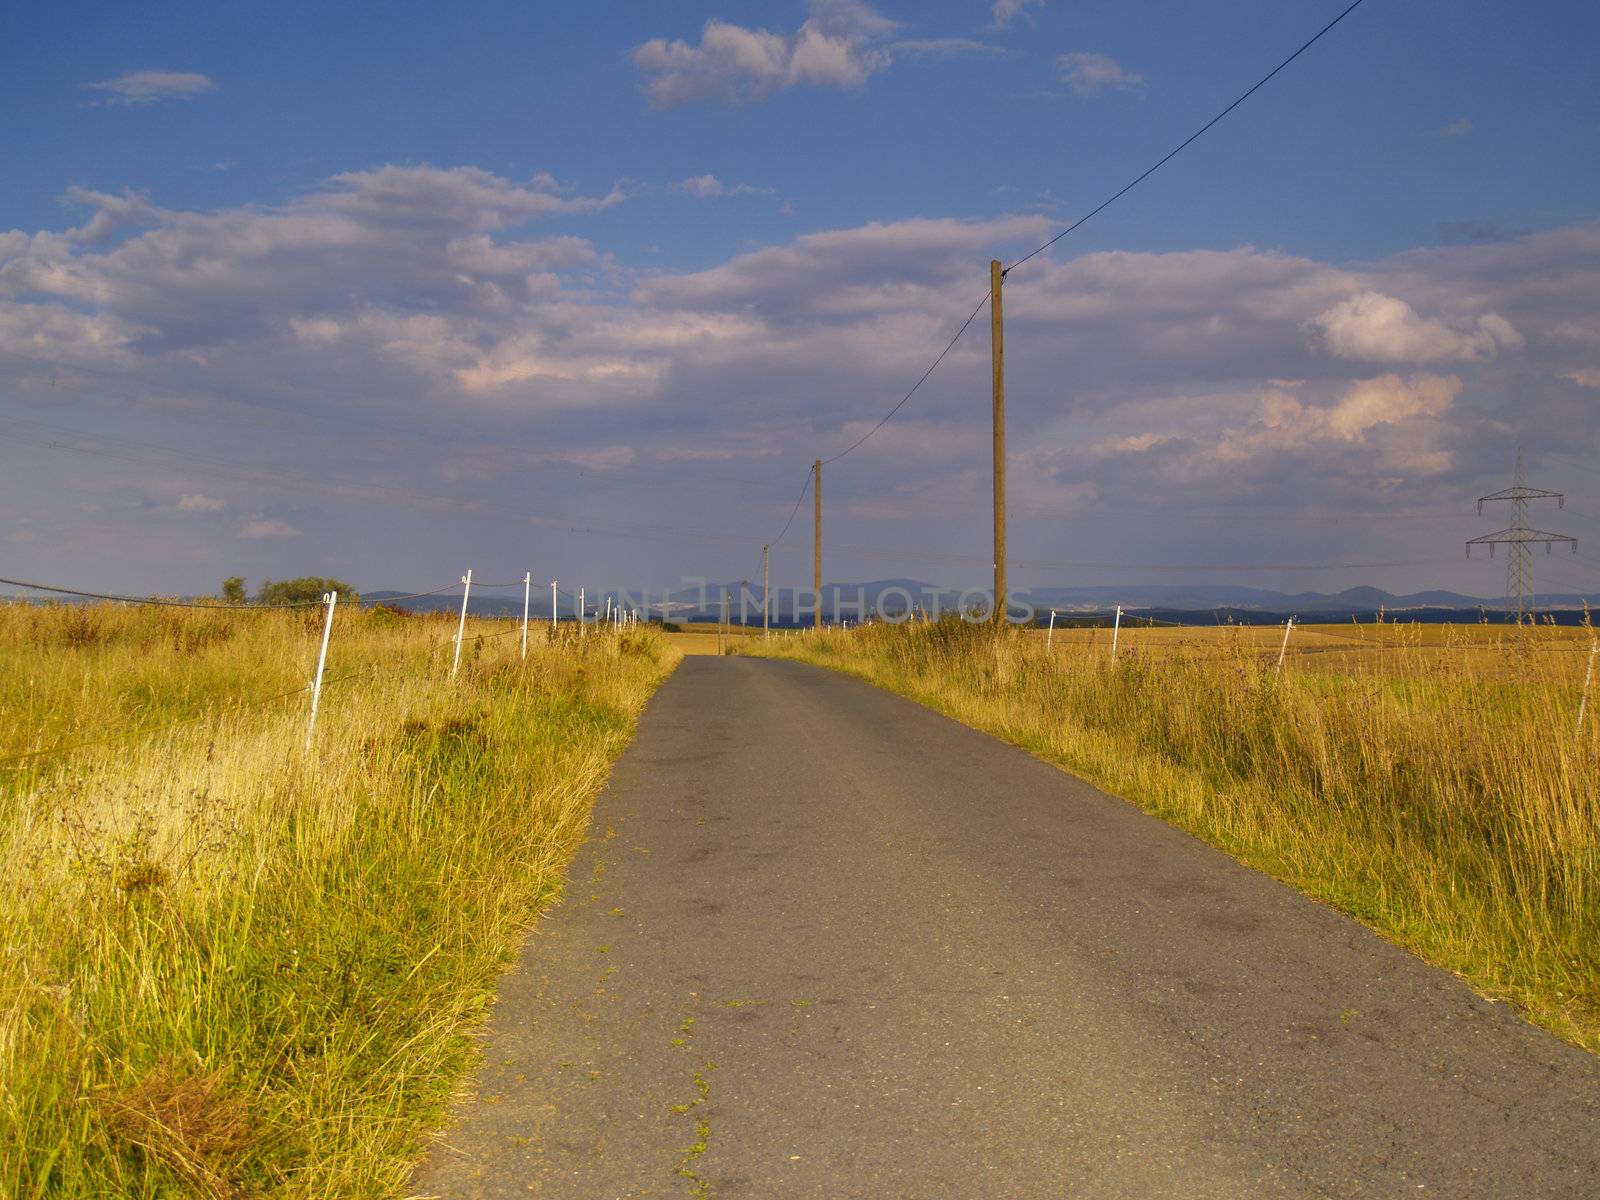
<point x="584" y="288"/>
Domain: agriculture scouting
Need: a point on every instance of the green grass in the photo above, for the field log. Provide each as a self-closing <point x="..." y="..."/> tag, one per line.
<point x="1444" y="799"/>
<point x="231" y="968"/>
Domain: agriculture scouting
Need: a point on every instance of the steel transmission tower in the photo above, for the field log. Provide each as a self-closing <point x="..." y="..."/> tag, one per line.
<point x="1521" y="539"/>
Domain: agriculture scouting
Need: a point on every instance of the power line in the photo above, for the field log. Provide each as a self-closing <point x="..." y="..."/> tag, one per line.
<point x="950" y="345"/>
<point x="1187" y="142"/>
<point x="938" y="360"/>
<point x="1101" y="207"/>
<point x="798" y="500"/>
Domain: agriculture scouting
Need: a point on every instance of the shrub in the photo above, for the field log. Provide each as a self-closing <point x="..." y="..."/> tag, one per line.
<point x="305" y="590"/>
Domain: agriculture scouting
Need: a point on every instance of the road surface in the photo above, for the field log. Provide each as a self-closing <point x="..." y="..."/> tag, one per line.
<point x="823" y="942"/>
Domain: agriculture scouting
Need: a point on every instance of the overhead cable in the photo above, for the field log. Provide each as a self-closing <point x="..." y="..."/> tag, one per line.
<point x="1188" y="141"/>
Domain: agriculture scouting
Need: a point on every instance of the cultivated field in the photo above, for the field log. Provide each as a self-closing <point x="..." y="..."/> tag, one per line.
<point x="235" y="968"/>
<point x="703" y="639"/>
<point x="1394" y="646"/>
<point x="1431" y="781"/>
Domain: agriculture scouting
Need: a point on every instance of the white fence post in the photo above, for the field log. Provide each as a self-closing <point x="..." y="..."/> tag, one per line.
<point x="331" y="599"/>
<point x="552" y="606"/>
<point x="1116" y="630"/>
<point x="527" y="595"/>
<point x="1050" y="636"/>
<point x="1288" y="628"/>
<point x="461" y="626"/>
<point x="1588" y="675"/>
<point x="583" y="612"/>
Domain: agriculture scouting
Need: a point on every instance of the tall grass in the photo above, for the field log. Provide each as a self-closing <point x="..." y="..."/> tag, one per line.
<point x="1436" y="788"/>
<point x="232" y="968"/>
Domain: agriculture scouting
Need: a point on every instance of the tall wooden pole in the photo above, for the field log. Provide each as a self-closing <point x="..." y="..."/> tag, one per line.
<point x="816" y="545"/>
<point x="997" y="342"/>
<point x="766" y="600"/>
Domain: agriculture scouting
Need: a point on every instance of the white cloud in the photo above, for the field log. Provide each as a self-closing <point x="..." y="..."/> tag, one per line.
<point x="709" y="187"/>
<point x="50" y="332"/>
<point x="1575" y="333"/>
<point x="111" y="213"/>
<point x="311" y="267"/>
<point x="941" y="49"/>
<point x="1136" y="443"/>
<point x="1403" y="419"/>
<point x="1089" y="74"/>
<point x="839" y="46"/>
<point x="195" y="502"/>
<point x="1379" y="328"/>
<point x="405" y="300"/>
<point x="268" y="528"/>
<point x="1459" y="128"/>
<point x="146" y="87"/>
<point x="317" y="330"/>
<point x="1007" y="11"/>
<point x="1588" y="377"/>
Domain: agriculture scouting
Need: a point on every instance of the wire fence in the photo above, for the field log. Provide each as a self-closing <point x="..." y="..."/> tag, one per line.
<point x="222" y="605"/>
<point x="616" y="619"/>
<point x="1294" y="637"/>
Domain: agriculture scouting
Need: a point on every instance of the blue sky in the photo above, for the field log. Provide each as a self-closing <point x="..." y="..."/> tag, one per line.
<point x="629" y="267"/>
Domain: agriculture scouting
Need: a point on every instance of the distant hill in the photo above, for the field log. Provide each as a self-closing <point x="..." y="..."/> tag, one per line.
<point x="1189" y="603"/>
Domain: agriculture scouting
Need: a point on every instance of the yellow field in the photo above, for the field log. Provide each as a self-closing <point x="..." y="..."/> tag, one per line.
<point x="235" y="965"/>
<point x="702" y="639"/>
<point x="1390" y="647"/>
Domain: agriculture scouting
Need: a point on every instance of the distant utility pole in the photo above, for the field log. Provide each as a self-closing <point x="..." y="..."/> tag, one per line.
<point x="997" y="341"/>
<point x="1519" y="570"/>
<point x="766" y="604"/>
<point x="816" y="543"/>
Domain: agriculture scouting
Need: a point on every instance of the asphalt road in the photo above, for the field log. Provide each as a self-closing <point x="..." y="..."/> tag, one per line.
<point x="825" y="943"/>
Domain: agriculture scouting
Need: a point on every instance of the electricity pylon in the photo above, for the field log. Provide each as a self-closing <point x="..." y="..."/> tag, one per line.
<point x="1519" y="570"/>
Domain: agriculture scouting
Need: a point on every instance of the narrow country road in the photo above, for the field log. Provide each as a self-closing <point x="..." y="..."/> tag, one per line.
<point x="825" y="943"/>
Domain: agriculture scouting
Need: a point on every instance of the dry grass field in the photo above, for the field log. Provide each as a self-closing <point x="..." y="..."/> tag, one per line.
<point x="1431" y="781"/>
<point x="1397" y="648"/>
<point x="229" y="966"/>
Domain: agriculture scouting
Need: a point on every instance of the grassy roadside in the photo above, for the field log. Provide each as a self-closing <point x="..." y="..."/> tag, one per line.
<point x="1444" y="801"/>
<point x="231" y="968"/>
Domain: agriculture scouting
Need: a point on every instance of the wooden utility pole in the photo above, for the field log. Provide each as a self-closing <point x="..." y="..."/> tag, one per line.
<point x="998" y="344"/>
<point x="766" y="601"/>
<point x="816" y="545"/>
